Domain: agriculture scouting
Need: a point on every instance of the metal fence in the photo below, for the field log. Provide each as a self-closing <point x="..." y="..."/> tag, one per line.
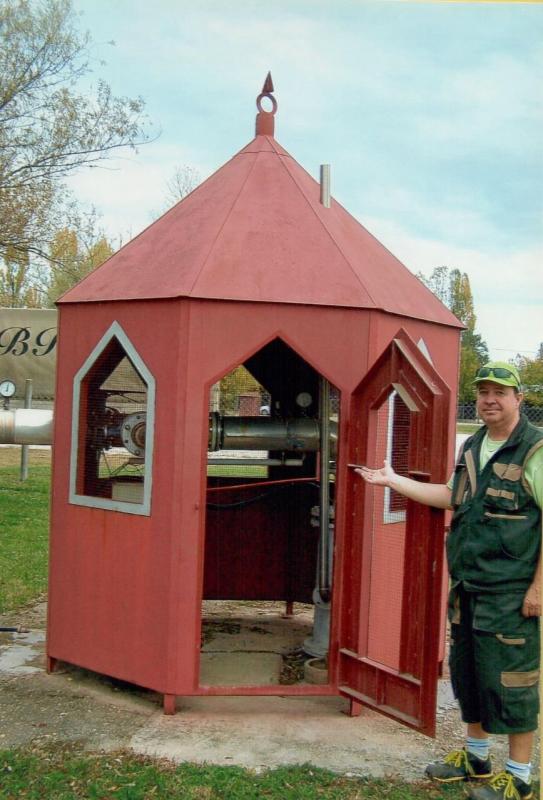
<point x="467" y="413"/>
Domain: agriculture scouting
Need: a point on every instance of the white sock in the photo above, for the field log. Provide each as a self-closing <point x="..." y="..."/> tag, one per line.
<point x="518" y="769"/>
<point x="478" y="747"/>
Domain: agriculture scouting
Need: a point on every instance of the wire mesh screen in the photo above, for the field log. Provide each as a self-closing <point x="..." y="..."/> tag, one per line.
<point x="238" y="394"/>
<point x="388" y="520"/>
<point x="112" y="428"/>
<point x="397" y="450"/>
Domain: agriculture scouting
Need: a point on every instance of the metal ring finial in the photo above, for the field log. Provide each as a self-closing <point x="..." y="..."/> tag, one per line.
<point x="265" y="119"/>
<point x="259" y="103"/>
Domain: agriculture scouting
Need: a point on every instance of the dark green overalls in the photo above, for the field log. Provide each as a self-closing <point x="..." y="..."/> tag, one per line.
<point x="492" y="553"/>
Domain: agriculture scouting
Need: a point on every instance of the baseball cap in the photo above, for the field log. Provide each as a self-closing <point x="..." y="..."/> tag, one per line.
<point x="499" y="372"/>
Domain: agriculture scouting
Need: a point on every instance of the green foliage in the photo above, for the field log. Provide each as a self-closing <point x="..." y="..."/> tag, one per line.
<point x="65" y="774"/>
<point x="25" y="529"/>
<point x="15" y="288"/>
<point x="48" y="129"/>
<point x="531" y="376"/>
<point x="453" y="288"/>
<point x="239" y="381"/>
<point x="73" y="255"/>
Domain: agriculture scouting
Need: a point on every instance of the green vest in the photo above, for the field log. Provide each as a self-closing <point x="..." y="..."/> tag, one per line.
<point x="495" y="532"/>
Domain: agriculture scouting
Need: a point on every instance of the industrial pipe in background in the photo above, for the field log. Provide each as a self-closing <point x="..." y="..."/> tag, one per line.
<point x="296" y="435"/>
<point x="24" y="448"/>
<point x="26" y="426"/>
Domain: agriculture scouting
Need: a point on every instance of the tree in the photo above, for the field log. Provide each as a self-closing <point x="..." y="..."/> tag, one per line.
<point x="15" y="289"/>
<point x="461" y="299"/>
<point x="184" y="179"/>
<point x="49" y="129"/>
<point x="239" y="381"/>
<point x="453" y="288"/>
<point x="531" y="376"/>
<point x="73" y="254"/>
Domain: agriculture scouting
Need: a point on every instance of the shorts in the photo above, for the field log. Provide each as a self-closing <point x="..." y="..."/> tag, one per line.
<point x="494" y="660"/>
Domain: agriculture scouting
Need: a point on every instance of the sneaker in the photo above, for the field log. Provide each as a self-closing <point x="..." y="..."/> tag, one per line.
<point x="503" y="786"/>
<point x="459" y="766"/>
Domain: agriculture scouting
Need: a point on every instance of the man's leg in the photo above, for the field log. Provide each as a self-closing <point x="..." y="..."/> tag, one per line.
<point x="475" y="729"/>
<point x="508" y="679"/>
<point x="472" y="762"/>
<point x="520" y="746"/>
<point x="478" y="741"/>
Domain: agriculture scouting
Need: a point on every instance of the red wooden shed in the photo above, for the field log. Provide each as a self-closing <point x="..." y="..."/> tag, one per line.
<point x="352" y="359"/>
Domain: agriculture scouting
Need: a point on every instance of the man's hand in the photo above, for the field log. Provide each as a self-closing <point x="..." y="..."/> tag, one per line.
<point x="531" y="606"/>
<point x="379" y="477"/>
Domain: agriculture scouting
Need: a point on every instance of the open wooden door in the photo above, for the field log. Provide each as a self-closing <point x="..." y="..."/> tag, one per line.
<point x="391" y="570"/>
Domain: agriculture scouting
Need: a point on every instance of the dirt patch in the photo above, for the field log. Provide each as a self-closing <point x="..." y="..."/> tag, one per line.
<point x="293" y="667"/>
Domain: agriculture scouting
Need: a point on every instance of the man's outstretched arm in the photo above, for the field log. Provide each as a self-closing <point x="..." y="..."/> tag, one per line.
<point x="437" y="495"/>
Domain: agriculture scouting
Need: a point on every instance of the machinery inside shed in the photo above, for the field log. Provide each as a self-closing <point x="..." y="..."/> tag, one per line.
<point x="269" y="521"/>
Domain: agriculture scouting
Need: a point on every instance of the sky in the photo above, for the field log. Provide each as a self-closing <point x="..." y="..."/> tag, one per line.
<point x="429" y="113"/>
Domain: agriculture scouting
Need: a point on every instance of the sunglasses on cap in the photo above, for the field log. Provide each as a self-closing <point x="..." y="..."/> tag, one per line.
<point x="496" y="372"/>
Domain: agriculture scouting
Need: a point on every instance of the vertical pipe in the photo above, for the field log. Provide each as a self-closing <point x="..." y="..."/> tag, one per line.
<point x="325" y="185"/>
<point x="24" y="447"/>
<point x="324" y="475"/>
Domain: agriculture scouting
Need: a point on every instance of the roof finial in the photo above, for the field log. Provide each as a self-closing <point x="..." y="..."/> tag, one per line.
<point x="265" y="122"/>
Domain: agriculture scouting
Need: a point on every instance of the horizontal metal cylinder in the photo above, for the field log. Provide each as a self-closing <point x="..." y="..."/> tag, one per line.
<point x="26" y="426"/>
<point x="297" y="435"/>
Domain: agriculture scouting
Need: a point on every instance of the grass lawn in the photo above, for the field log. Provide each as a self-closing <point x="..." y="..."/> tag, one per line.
<point x="25" y="525"/>
<point x="63" y="774"/>
<point x="467" y="427"/>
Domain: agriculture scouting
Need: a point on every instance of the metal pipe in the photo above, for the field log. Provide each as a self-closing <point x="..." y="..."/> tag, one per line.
<point x="299" y="434"/>
<point x="325" y="185"/>
<point x="26" y="426"/>
<point x="24" y="448"/>
<point x="295" y="435"/>
<point x="13" y="629"/>
<point x="324" y="467"/>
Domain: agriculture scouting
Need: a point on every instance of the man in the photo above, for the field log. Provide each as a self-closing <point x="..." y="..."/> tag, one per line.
<point x="493" y="553"/>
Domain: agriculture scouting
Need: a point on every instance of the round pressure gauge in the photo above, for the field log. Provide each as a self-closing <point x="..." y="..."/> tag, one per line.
<point x="304" y="399"/>
<point x="7" y="388"/>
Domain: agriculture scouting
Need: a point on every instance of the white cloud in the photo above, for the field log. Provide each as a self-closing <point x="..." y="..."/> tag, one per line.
<point x="507" y="289"/>
<point x="129" y="193"/>
<point x="496" y="105"/>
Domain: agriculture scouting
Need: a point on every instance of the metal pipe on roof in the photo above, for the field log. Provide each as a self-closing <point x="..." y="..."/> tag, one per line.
<point x="325" y="185"/>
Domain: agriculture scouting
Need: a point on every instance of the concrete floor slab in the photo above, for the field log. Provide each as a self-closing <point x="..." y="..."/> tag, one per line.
<point x="263" y="732"/>
<point x="240" y="669"/>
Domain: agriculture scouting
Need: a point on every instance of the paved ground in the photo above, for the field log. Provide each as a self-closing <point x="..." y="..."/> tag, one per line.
<point x="258" y="732"/>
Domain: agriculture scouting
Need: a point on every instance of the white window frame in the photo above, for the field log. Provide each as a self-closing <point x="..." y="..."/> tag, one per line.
<point x="144" y="507"/>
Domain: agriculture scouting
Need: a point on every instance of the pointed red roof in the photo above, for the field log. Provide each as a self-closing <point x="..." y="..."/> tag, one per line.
<point x="257" y="231"/>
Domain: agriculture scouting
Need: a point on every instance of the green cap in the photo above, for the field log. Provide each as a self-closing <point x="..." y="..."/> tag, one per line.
<point x="499" y="372"/>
